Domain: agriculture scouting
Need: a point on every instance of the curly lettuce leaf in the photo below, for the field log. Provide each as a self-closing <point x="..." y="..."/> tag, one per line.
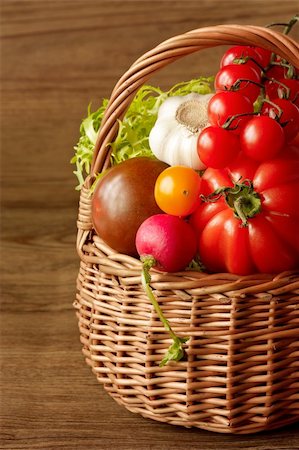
<point x="85" y="146"/>
<point x="132" y="137"/>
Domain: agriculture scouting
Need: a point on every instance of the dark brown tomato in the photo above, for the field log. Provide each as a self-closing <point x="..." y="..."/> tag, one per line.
<point x="123" y="199"/>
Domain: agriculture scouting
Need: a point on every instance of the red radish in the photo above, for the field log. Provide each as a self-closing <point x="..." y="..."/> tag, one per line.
<point x="169" y="244"/>
<point x="167" y="239"/>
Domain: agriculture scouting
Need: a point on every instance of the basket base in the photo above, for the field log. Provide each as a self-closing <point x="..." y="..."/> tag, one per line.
<point x="226" y="428"/>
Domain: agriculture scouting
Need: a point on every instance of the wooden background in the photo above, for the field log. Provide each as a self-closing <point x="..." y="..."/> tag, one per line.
<point x="56" y="57"/>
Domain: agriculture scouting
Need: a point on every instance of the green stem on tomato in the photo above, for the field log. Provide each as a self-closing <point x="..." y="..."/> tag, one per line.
<point x="241" y="198"/>
<point x="286" y="88"/>
<point x="280" y="111"/>
<point x="236" y="85"/>
<point x="287" y="25"/>
<point x="244" y="59"/>
<point x="291" y="69"/>
<point x="292" y="22"/>
<point x="287" y="28"/>
<point x="230" y="119"/>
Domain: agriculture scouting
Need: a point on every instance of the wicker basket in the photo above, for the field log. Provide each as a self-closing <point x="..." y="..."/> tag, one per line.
<point x="241" y="374"/>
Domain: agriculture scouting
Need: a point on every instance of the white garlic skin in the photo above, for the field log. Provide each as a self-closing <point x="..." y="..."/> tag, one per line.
<point x="171" y="141"/>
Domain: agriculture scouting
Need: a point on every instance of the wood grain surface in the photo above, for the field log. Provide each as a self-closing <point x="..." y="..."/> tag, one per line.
<point x="56" y="58"/>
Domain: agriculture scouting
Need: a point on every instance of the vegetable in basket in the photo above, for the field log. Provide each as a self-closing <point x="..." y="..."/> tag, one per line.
<point x="243" y="90"/>
<point x="248" y="221"/>
<point x="173" y="137"/>
<point x="123" y="198"/>
<point x="287" y="88"/>
<point x="240" y="77"/>
<point x="167" y="243"/>
<point x="177" y="190"/>
<point x="132" y="139"/>
<point x="287" y="114"/>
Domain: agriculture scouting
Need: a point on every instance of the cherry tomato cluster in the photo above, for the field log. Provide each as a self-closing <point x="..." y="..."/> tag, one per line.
<point x="255" y="109"/>
<point x="244" y="207"/>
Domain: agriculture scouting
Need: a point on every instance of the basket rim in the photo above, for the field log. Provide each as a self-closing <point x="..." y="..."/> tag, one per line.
<point x="93" y="250"/>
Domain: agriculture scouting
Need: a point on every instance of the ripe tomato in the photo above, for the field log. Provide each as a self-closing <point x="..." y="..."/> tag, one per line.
<point x="123" y="198"/>
<point x="279" y="71"/>
<point x="217" y="146"/>
<point x="262" y="138"/>
<point x="227" y="79"/>
<point x="289" y="119"/>
<point x="269" y="242"/>
<point x="241" y="51"/>
<point x="278" y="89"/>
<point x="177" y="190"/>
<point x="295" y="141"/>
<point x="224" y="105"/>
<point x="264" y="54"/>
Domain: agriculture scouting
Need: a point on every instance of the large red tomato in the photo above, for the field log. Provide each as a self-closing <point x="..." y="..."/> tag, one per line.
<point x="253" y="226"/>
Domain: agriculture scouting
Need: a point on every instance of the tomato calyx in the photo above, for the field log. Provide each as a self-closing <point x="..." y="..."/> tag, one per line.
<point x="244" y="201"/>
<point x="241" y="198"/>
<point x="245" y="59"/>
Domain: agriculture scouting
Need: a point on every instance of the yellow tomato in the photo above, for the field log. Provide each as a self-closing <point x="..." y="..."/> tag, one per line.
<point x="177" y="190"/>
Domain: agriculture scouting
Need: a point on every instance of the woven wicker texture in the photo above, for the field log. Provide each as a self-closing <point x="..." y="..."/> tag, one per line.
<point x="241" y="372"/>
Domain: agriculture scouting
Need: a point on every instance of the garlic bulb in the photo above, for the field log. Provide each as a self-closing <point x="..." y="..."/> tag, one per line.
<point x="173" y="138"/>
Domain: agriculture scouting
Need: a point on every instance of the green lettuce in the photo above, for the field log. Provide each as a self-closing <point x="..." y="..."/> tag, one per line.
<point x="132" y="137"/>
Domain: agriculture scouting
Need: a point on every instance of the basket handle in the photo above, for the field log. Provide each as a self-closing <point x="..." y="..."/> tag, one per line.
<point x="168" y="52"/>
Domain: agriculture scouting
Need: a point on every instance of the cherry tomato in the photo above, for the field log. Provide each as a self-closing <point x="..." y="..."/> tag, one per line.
<point x="278" y="71"/>
<point x="279" y="89"/>
<point x="224" y="105"/>
<point x="177" y="190"/>
<point x="289" y="119"/>
<point x="262" y="138"/>
<point x="264" y="54"/>
<point x="227" y="79"/>
<point x="217" y="146"/>
<point x="270" y="241"/>
<point x="239" y="52"/>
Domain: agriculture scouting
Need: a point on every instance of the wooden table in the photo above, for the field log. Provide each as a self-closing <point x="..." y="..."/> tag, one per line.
<point x="57" y="56"/>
